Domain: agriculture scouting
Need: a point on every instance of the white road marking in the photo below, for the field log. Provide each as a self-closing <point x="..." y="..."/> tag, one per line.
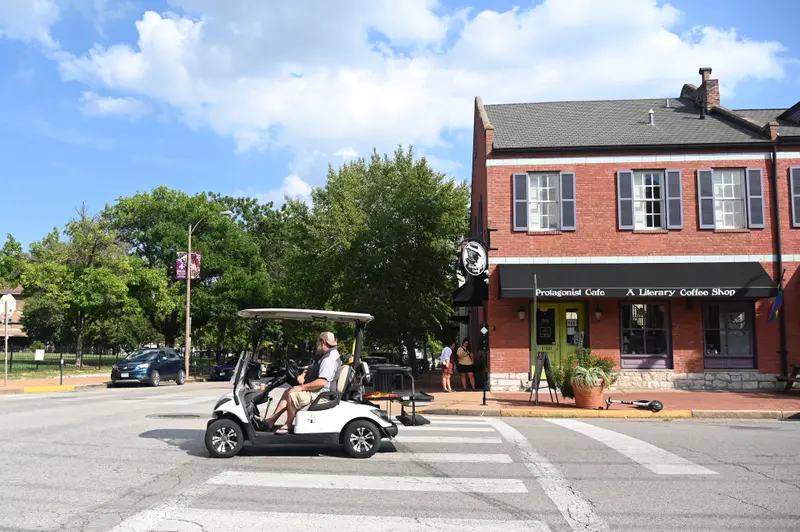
<point x="443" y="439"/>
<point x="471" y="419"/>
<point x="469" y="458"/>
<point x="438" y="428"/>
<point x="196" y="519"/>
<point x="460" y="422"/>
<point x="653" y="458"/>
<point x="379" y="483"/>
<point x="576" y="509"/>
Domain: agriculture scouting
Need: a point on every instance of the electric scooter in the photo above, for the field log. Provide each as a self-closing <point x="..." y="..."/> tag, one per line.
<point x="654" y="405"/>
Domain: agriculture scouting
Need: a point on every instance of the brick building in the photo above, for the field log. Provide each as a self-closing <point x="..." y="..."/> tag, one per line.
<point x="654" y="229"/>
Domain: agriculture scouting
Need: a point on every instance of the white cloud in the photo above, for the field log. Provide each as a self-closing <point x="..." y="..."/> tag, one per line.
<point x="293" y="187"/>
<point x="29" y="20"/>
<point x="303" y="75"/>
<point x="346" y="153"/>
<point x="92" y="104"/>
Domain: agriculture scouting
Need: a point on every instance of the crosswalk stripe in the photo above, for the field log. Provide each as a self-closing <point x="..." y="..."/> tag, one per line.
<point x="469" y="458"/>
<point x="358" y="482"/>
<point x="193" y="519"/>
<point x="444" y="439"/>
<point x="471" y="419"/>
<point x="576" y="509"/>
<point x="438" y="428"/>
<point x="653" y="458"/>
<point x="459" y="422"/>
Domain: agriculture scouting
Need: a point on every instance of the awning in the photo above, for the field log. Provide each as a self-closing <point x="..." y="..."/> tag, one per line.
<point x="472" y="293"/>
<point x="727" y="280"/>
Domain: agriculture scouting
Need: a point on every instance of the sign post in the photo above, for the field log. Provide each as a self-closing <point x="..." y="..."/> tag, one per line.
<point x="535" y="326"/>
<point x="474" y="261"/>
<point x="9" y="307"/>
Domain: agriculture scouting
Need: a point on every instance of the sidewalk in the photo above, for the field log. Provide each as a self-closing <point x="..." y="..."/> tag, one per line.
<point x="677" y="404"/>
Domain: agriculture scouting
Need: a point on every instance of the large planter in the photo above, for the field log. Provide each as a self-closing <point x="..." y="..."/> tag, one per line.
<point x="592" y="398"/>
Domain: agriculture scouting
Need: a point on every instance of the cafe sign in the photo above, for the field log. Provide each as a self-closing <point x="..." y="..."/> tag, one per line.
<point x="638" y="292"/>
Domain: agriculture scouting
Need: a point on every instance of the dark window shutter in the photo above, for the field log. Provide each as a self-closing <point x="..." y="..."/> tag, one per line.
<point x="625" y="199"/>
<point x="755" y="198"/>
<point x="794" y="190"/>
<point x="674" y="199"/>
<point x="705" y="198"/>
<point x="520" y="202"/>
<point x="568" y="211"/>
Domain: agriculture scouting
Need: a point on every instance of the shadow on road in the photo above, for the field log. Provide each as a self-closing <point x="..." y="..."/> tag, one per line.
<point x="192" y="441"/>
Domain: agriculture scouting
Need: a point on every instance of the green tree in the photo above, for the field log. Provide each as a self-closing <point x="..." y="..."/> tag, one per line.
<point x="12" y="261"/>
<point x="390" y="226"/>
<point x="83" y="279"/>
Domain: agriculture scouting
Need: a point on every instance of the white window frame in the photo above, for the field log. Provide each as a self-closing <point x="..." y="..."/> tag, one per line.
<point x="554" y="198"/>
<point x="725" y="200"/>
<point x="641" y="201"/>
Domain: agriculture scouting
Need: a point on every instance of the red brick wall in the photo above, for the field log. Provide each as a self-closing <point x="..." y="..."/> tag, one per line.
<point x="597" y="234"/>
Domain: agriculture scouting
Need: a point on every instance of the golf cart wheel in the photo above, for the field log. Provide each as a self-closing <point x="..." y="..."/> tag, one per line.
<point x="155" y="378"/>
<point x="181" y="377"/>
<point x="224" y="438"/>
<point x="361" y="438"/>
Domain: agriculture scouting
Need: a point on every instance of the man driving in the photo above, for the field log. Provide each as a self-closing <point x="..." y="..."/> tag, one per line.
<point x="312" y="382"/>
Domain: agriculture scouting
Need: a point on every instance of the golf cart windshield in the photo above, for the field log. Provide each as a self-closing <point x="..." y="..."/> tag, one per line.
<point x="301" y="315"/>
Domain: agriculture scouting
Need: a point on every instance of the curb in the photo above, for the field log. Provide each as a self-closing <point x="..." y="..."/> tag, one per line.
<point x="617" y="414"/>
<point x="69" y="387"/>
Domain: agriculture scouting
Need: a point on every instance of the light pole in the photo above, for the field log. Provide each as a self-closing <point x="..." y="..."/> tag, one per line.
<point x="188" y="332"/>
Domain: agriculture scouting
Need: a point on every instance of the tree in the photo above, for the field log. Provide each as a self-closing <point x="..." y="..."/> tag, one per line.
<point x="77" y="282"/>
<point x="391" y="225"/>
<point x="12" y="261"/>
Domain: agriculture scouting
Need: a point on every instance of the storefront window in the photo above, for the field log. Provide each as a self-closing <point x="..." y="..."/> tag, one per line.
<point x="645" y="336"/>
<point x="728" y="334"/>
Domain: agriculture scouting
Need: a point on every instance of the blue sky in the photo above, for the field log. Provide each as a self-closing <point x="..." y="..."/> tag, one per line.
<point x="262" y="108"/>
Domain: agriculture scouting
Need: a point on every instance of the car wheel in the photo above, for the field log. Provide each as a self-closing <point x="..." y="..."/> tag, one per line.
<point x="224" y="438"/>
<point x="181" y="377"/>
<point x="362" y="438"/>
<point x="155" y="378"/>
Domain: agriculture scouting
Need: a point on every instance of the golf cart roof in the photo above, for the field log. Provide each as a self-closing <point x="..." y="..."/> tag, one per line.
<point x="305" y="315"/>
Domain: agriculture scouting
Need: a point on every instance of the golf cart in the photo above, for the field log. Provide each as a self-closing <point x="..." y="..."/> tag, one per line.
<point x="340" y="417"/>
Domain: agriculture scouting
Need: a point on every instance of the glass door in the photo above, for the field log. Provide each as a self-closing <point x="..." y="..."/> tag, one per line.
<point x="559" y="329"/>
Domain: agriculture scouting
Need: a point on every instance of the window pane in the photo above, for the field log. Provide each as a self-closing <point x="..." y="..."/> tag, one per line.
<point x="713" y="343"/>
<point x="546" y="327"/>
<point x="626" y="316"/>
<point x="633" y="342"/>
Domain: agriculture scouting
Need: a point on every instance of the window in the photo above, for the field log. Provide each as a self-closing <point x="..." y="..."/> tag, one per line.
<point x="729" y="199"/>
<point x="728" y="335"/>
<point x="648" y="200"/>
<point x="544" y="201"/>
<point x="644" y="336"/>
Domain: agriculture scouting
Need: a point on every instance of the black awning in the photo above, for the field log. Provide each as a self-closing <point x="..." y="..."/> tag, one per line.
<point x="472" y="293"/>
<point x="651" y="280"/>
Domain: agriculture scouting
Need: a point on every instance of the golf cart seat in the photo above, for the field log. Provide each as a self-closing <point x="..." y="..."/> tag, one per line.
<point x="343" y="383"/>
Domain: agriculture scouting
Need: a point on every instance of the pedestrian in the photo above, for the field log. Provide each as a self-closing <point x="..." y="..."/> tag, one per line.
<point x="466" y="365"/>
<point x="447" y="366"/>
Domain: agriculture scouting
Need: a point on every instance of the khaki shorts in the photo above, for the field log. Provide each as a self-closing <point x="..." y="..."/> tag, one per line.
<point x="303" y="398"/>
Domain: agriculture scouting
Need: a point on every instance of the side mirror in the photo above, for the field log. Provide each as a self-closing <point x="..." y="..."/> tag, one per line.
<point x="163" y="357"/>
<point x="364" y="368"/>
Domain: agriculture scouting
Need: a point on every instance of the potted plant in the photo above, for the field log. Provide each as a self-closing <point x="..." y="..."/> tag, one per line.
<point x="584" y="376"/>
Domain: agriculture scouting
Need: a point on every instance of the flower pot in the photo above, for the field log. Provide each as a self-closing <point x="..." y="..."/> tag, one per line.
<point x="590" y="397"/>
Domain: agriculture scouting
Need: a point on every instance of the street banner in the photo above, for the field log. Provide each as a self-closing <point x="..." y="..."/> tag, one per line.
<point x="180" y="265"/>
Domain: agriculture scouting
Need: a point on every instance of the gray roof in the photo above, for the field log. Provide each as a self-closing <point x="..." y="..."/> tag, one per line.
<point x="762" y="116"/>
<point x="611" y="123"/>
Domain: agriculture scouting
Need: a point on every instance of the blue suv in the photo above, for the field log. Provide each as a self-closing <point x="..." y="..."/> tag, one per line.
<point x="149" y="366"/>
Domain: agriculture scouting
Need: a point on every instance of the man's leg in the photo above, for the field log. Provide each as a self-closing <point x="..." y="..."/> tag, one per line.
<point x="296" y="401"/>
<point x="282" y="405"/>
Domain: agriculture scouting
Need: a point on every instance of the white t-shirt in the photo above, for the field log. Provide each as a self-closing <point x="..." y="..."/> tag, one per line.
<point x="446" y="352"/>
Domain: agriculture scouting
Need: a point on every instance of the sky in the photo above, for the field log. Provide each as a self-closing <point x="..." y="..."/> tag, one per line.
<point x="101" y="99"/>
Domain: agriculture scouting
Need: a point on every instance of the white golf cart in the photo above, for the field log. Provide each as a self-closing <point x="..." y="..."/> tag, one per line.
<point x="340" y="417"/>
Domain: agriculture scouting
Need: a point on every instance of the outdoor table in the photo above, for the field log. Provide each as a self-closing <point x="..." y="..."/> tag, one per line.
<point x="791" y="379"/>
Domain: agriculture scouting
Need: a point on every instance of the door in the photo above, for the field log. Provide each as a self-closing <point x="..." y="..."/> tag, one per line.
<point x="559" y="328"/>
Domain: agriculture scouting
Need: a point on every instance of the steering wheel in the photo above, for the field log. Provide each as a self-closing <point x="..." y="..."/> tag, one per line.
<point x="292" y="371"/>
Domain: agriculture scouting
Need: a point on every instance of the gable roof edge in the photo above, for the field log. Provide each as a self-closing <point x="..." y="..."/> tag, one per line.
<point x="487" y="124"/>
<point x="787" y="114"/>
<point x="748" y="123"/>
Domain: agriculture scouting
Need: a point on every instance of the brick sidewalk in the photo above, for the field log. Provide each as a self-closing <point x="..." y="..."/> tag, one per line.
<point x="676" y="404"/>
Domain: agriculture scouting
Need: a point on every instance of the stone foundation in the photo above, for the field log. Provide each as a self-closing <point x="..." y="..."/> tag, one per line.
<point x="712" y="380"/>
<point x="659" y="380"/>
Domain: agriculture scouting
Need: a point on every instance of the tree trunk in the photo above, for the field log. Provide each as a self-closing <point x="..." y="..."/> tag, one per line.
<point x="412" y="355"/>
<point x="79" y="343"/>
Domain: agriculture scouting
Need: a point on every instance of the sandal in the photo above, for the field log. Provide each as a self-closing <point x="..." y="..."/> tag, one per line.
<point x="283" y="430"/>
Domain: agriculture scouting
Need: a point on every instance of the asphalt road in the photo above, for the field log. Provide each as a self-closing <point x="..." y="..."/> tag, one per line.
<point x="133" y="460"/>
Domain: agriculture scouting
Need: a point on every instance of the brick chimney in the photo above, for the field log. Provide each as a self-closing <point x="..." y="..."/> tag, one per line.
<point x="708" y="92"/>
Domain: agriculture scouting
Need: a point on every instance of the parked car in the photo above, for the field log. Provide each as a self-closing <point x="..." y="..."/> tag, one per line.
<point x="224" y="370"/>
<point x="149" y="366"/>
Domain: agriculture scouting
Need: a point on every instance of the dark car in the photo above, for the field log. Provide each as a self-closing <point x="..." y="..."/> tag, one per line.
<point x="224" y="370"/>
<point x="149" y="366"/>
